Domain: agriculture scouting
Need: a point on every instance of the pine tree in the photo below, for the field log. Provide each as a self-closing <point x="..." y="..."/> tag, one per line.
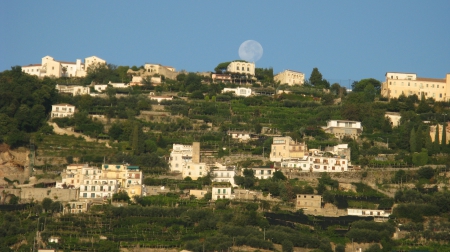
<point x="412" y="141"/>
<point x="436" y="145"/>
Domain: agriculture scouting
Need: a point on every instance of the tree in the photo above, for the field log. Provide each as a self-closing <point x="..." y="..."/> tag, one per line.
<point x="412" y="141"/>
<point x="444" y="137"/>
<point x="436" y="145"/>
<point x="221" y="67"/>
<point x="359" y="86"/>
<point x="316" y="77"/>
<point x="47" y="203"/>
<point x="287" y="246"/>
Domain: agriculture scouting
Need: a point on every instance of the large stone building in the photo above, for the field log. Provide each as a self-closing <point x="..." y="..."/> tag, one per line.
<point x="241" y="67"/>
<point x="343" y="128"/>
<point x="286" y="148"/>
<point x="186" y="160"/>
<point x="290" y="77"/>
<point x="53" y="68"/>
<point x="408" y="84"/>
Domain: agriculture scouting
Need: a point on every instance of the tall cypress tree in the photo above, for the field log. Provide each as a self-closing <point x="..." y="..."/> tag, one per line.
<point x="412" y="141"/>
<point x="419" y="138"/>
<point x="444" y="137"/>
<point x="436" y="145"/>
<point x="429" y="143"/>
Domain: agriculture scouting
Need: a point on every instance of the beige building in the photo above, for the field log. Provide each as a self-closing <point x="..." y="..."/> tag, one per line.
<point x="286" y="148"/>
<point x="53" y="68"/>
<point x="128" y="177"/>
<point x="290" y="77"/>
<point x="408" y="84"/>
<point x="241" y="67"/>
<point x="199" y="194"/>
<point x="62" y="110"/>
<point x="308" y="201"/>
<point x="343" y="128"/>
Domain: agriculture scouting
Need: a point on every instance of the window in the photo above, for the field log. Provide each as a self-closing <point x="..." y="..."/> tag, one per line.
<point x="218" y="190"/>
<point x="92" y="188"/>
<point x="84" y="195"/>
<point x="92" y="195"/>
<point x="224" y="190"/>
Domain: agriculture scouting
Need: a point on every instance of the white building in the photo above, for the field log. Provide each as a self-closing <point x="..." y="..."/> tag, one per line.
<point x="119" y="85"/>
<point x="378" y="214"/>
<point x="319" y="161"/>
<point x="72" y="176"/>
<point x="240" y="136"/>
<point x="73" y="89"/>
<point x="263" y="172"/>
<point x="53" y="68"/>
<point x="222" y="173"/>
<point x="100" y="87"/>
<point x="96" y="186"/>
<point x="241" y="67"/>
<point x="160" y="98"/>
<point x="343" y="128"/>
<point x="62" y="110"/>
<point x="179" y="157"/>
<point x="246" y="92"/>
<point x="221" y="191"/>
<point x="290" y="77"/>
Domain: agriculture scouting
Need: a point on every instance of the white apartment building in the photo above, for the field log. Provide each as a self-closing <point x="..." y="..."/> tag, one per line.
<point x="53" y="68"/>
<point x="290" y="77"/>
<point x="408" y="84"/>
<point x="62" y="110"/>
<point x="343" y="128"/>
<point x="286" y="148"/>
<point x="71" y="177"/>
<point x="263" y="172"/>
<point x="241" y="67"/>
<point x="95" y="185"/>
<point x="223" y="174"/>
<point x="317" y="163"/>
<point x="246" y="92"/>
<point x="179" y="157"/>
<point x="73" y="89"/>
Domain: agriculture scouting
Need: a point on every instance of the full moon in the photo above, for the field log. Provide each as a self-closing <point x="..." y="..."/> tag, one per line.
<point x="250" y="51"/>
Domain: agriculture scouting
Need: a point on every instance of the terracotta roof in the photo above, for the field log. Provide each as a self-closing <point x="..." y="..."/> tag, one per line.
<point x="430" y="79"/>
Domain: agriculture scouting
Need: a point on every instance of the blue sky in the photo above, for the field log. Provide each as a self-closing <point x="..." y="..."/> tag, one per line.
<point x="346" y="40"/>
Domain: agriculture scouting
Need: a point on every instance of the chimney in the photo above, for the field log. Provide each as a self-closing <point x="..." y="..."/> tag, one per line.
<point x="195" y="152"/>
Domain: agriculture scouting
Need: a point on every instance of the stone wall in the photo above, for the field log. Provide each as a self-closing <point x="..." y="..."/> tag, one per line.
<point x="38" y="194"/>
